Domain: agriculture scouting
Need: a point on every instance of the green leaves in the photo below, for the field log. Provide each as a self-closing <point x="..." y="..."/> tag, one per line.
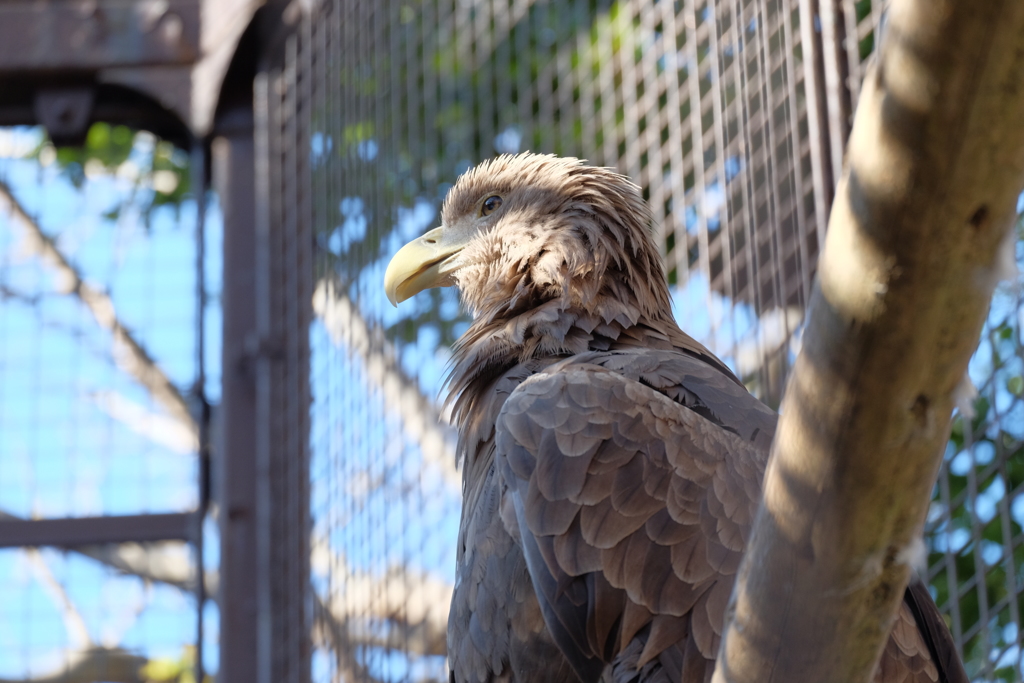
<point x="976" y="558"/>
<point x="158" y="170"/>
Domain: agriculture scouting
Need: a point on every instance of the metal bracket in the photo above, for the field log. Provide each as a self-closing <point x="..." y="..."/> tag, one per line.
<point x="65" y="112"/>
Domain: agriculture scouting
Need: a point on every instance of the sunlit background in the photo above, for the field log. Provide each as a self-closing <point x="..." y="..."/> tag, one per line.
<point x="100" y="381"/>
<point x="123" y="371"/>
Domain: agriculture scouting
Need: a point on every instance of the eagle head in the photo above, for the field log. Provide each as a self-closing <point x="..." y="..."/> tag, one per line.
<point x="528" y="231"/>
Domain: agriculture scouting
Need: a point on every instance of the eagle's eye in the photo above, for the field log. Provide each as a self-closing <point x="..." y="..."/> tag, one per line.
<point x="490" y="205"/>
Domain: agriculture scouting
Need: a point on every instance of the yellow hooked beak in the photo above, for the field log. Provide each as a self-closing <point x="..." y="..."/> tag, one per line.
<point x="426" y="262"/>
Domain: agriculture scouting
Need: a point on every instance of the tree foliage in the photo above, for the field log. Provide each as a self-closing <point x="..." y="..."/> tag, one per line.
<point x="158" y="171"/>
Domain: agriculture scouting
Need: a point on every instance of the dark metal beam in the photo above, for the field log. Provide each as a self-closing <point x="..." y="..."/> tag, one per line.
<point x="284" y="292"/>
<point x="175" y="52"/>
<point x="97" y="35"/>
<point x="69" y="532"/>
<point x="235" y="455"/>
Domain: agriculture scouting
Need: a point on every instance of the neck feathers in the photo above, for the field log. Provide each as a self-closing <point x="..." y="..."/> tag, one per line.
<point x="550" y="331"/>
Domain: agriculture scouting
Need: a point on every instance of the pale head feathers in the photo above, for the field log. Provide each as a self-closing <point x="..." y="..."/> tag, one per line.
<point x="566" y="264"/>
<point x="564" y="232"/>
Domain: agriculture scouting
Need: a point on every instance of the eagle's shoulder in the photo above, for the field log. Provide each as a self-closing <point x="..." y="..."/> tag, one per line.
<point x="679" y="376"/>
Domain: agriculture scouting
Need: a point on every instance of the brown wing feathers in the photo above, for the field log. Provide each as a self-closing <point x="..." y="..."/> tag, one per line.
<point x="932" y="632"/>
<point x="634" y="517"/>
<point x="637" y="500"/>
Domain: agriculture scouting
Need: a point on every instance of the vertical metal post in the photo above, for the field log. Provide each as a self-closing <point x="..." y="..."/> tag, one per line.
<point x="837" y="71"/>
<point x="234" y="159"/>
<point x="283" y="299"/>
<point x="199" y="187"/>
<point x="263" y="347"/>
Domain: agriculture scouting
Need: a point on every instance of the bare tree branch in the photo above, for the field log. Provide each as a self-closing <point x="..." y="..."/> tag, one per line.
<point x="421" y="420"/>
<point x="935" y="165"/>
<point x="84" y="663"/>
<point x="332" y="632"/>
<point x="78" y="633"/>
<point x="155" y="426"/>
<point x="163" y="562"/>
<point x="129" y="354"/>
<point x="412" y="605"/>
<point x="338" y="634"/>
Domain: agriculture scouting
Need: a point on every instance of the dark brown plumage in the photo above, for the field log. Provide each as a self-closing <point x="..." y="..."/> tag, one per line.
<point x="612" y="464"/>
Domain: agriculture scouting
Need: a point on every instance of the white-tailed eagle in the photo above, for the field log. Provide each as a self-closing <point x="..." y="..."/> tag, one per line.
<point x="612" y="464"/>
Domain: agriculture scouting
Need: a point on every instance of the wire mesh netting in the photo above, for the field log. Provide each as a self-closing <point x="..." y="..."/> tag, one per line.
<point x="405" y="97"/>
<point x="975" y="523"/>
<point x="731" y="116"/>
<point x="99" y="613"/>
<point x="99" y="394"/>
<point x="89" y="302"/>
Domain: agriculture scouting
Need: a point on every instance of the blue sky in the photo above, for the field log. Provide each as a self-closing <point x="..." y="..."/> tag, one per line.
<point x="73" y="435"/>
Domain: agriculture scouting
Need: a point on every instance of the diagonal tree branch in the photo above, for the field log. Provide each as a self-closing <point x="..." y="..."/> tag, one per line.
<point x="935" y="165"/>
<point x="413" y="605"/>
<point x="83" y="663"/>
<point x="73" y="621"/>
<point x="332" y="633"/>
<point x="348" y="636"/>
<point x="420" y="418"/>
<point x="129" y="354"/>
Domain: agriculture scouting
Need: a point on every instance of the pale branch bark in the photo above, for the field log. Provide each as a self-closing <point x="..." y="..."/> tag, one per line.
<point x="74" y="624"/>
<point x="331" y="633"/>
<point x="154" y="425"/>
<point x="84" y="663"/>
<point x="420" y="418"/>
<point x="336" y="634"/>
<point x="413" y="605"/>
<point x="162" y="562"/>
<point x="414" y="609"/>
<point x="935" y="164"/>
<point x="129" y="354"/>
